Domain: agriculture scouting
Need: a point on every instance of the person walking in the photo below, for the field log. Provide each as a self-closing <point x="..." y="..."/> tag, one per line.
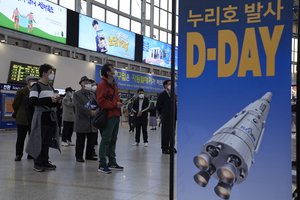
<point x="68" y="117"/>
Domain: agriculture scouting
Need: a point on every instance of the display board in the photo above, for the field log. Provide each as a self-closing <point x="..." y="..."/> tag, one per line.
<point x="234" y="135"/>
<point x="158" y="53"/>
<point x="98" y="36"/>
<point x="40" y="18"/>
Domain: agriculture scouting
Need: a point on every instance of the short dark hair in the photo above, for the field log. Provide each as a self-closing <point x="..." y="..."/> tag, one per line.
<point x="105" y="69"/>
<point x="44" y="69"/>
<point x="140" y="90"/>
<point x="94" y="22"/>
<point x="166" y="82"/>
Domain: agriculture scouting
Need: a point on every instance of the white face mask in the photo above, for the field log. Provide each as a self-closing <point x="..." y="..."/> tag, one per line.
<point x="51" y="77"/>
<point x="69" y="94"/>
<point x="31" y="83"/>
<point x="94" y="88"/>
<point x="141" y="96"/>
<point x="88" y="86"/>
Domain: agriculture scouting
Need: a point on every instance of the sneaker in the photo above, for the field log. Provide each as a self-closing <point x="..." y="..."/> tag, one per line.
<point x="18" y="158"/>
<point x="38" y="168"/>
<point x="135" y="144"/>
<point x="49" y="166"/>
<point x="115" y="167"/>
<point x="104" y="170"/>
<point x="70" y="143"/>
<point x="145" y="144"/>
<point x="64" y="144"/>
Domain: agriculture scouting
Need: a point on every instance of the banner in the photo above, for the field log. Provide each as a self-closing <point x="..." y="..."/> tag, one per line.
<point x="234" y="134"/>
<point x="35" y="17"/>
<point x="129" y="80"/>
<point x="98" y="36"/>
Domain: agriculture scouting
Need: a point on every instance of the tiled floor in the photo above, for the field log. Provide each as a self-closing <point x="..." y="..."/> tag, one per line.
<point x="146" y="174"/>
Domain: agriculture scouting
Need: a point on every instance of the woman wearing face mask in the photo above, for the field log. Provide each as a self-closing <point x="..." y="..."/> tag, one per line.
<point x="85" y="110"/>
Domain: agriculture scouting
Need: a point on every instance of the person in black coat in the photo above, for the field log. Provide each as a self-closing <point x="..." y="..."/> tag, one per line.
<point x="140" y="109"/>
<point x="163" y="107"/>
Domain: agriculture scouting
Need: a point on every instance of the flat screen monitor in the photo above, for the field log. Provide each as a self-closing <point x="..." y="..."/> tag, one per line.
<point x="98" y="36"/>
<point x="40" y="18"/>
<point x="158" y="53"/>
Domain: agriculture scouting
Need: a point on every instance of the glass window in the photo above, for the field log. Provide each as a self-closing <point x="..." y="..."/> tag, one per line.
<point x="156" y="2"/>
<point x="164" y="4"/>
<point x="148" y="11"/>
<point x="83" y="7"/>
<point x="147" y="31"/>
<point x="125" y="6"/>
<point x="54" y="1"/>
<point x="68" y="4"/>
<point x="101" y="1"/>
<point x="111" y="18"/>
<point x="163" y="36"/>
<point x="170" y="21"/>
<point x="155" y="34"/>
<point x="163" y="19"/>
<point x="136" y="8"/>
<point x="98" y="13"/>
<point x="124" y="22"/>
<point x="156" y="16"/>
<point x="113" y="4"/>
<point x="135" y="27"/>
<point x="170" y="5"/>
<point x="169" y="38"/>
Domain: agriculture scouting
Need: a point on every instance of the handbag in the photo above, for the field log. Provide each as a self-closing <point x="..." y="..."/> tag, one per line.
<point x="100" y="119"/>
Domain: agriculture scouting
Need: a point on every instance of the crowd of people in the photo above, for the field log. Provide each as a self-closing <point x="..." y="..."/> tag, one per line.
<point x="40" y="112"/>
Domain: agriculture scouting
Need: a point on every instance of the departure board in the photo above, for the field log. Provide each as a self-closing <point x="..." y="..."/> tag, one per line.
<point x="19" y="71"/>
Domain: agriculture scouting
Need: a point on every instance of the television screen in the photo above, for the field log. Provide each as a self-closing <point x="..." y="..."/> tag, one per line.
<point x="104" y="38"/>
<point x="158" y="53"/>
<point x="39" y="18"/>
<point x="19" y="71"/>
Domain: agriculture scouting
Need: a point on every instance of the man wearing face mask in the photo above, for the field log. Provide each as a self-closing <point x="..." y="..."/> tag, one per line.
<point x="44" y="128"/>
<point x="23" y="114"/>
<point x="85" y="110"/>
<point x="163" y="106"/>
<point x="140" y="109"/>
<point x="108" y="98"/>
<point x="68" y="117"/>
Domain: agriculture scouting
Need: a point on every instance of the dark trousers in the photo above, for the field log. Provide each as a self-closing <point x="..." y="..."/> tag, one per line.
<point x="67" y="131"/>
<point x="141" y="123"/>
<point x="80" y="143"/>
<point x="166" y="135"/>
<point x="22" y="131"/>
<point x="131" y="123"/>
<point x="47" y="132"/>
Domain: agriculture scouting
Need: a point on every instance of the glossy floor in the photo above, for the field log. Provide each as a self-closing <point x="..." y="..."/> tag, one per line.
<point x="146" y="174"/>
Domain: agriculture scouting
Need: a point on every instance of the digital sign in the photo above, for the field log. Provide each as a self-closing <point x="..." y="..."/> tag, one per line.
<point x="158" y="53"/>
<point x="40" y="18"/>
<point x="104" y="38"/>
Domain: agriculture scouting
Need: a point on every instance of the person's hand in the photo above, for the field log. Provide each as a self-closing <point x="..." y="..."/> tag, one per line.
<point x="139" y="114"/>
<point x="54" y="99"/>
<point x="119" y="104"/>
<point x="93" y="113"/>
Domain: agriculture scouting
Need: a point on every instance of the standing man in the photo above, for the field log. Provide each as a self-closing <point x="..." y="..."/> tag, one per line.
<point x="68" y="117"/>
<point x="44" y="129"/>
<point x="108" y="98"/>
<point x="163" y="106"/>
<point x="23" y="114"/>
<point x="140" y="109"/>
<point x="85" y="110"/>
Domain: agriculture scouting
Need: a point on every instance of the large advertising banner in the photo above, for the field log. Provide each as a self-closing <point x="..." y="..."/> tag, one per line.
<point x="98" y="36"/>
<point x="35" y="17"/>
<point x="129" y="80"/>
<point x="234" y="134"/>
<point x="158" y="53"/>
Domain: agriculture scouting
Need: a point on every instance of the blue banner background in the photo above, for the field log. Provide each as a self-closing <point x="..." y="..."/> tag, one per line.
<point x="207" y="102"/>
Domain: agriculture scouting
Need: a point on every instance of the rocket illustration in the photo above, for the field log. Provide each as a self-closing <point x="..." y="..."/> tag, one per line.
<point x="229" y="154"/>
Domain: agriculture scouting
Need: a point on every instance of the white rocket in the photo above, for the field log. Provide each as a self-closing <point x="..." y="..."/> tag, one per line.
<point x="230" y="151"/>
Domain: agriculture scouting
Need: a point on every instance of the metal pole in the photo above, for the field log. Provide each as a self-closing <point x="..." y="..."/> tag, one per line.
<point x="173" y="101"/>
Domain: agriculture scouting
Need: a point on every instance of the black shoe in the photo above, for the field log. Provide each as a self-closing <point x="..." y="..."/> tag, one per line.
<point x="29" y="157"/>
<point x="79" y="160"/>
<point x="115" y="167"/>
<point x="166" y="151"/>
<point x="175" y="150"/>
<point x="49" y="166"/>
<point x="18" y="158"/>
<point x="91" y="158"/>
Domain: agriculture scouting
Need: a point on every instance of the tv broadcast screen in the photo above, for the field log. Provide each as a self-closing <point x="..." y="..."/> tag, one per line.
<point x="158" y="53"/>
<point x="98" y="36"/>
<point x="40" y="18"/>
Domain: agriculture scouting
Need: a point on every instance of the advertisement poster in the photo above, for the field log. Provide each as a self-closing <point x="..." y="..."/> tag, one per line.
<point x="129" y="80"/>
<point x="40" y="18"/>
<point x="98" y="36"/>
<point x="158" y="53"/>
<point x="234" y="112"/>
